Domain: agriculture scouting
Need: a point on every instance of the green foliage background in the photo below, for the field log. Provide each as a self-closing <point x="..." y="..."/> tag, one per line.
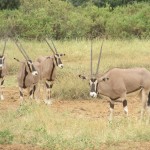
<point x="60" y="19"/>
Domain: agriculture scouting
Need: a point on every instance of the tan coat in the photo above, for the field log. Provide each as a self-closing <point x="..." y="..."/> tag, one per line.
<point x="121" y="81"/>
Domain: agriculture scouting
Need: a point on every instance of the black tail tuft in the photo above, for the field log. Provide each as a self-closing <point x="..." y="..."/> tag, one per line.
<point x="148" y="102"/>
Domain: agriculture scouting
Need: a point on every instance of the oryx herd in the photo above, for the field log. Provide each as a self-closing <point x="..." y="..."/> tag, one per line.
<point x="115" y="84"/>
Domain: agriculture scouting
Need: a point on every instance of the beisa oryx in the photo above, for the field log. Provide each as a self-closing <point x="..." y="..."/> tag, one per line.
<point x="28" y="75"/>
<point x="116" y="83"/>
<point x="3" y="70"/>
<point x="48" y="66"/>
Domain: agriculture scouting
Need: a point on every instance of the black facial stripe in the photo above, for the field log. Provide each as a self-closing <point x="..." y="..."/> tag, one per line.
<point x="96" y="87"/>
<point x="59" y="61"/>
<point x="56" y="61"/>
<point x="93" y="80"/>
<point x="93" y="87"/>
<point x="33" y="68"/>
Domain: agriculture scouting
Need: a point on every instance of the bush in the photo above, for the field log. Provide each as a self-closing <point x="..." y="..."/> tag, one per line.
<point x="61" y="20"/>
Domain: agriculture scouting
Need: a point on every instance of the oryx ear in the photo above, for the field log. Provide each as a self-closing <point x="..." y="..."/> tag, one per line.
<point x="62" y="54"/>
<point x="48" y="57"/>
<point x="103" y="79"/>
<point x="83" y="77"/>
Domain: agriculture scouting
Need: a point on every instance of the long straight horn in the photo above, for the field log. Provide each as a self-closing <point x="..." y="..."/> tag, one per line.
<point x="54" y="46"/>
<point x="49" y="46"/>
<point x="91" y="59"/>
<point x="4" y="47"/>
<point x="21" y="50"/>
<point x="24" y="51"/>
<point x="99" y="57"/>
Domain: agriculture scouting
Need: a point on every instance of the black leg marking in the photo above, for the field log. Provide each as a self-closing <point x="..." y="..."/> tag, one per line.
<point x="21" y="94"/>
<point x="51" y="85"/>
<point x="124" y="103"/>
<point x="148" y="102"/>
<point x="111" y="105"/>
<point x="31" y="92"/>
<point x="47" y="85"/>
<point x="2" y="82"/>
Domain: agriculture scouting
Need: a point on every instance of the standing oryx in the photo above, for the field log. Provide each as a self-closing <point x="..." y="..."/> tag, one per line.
<point x="3" y="70"/>
<point x="117" y="83"/>
<point x="28" y="75"/>
<point x="48" y="69"/>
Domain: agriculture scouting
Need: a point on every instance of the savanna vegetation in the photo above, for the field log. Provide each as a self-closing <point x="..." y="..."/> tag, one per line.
<point x="67" y="19"/>
<point x="72" y="23"/>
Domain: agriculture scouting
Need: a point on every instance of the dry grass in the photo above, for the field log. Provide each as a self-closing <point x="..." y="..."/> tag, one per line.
<point x="40" y="125"/>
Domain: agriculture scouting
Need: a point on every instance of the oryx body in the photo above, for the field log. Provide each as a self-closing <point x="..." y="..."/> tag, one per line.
<point x="117" y="83"/>
<point x="3" y="70"/>
<point x="28" y="74"/>
<point x="48" y="66"/>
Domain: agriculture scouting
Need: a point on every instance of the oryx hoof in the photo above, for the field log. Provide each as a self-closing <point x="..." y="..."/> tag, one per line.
<point x="48" y="102"/>
<point x="2" y="97"/>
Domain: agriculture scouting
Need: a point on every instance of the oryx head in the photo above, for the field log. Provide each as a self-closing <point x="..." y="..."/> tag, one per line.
<point x="93" y="78"/>
<point x="2" y="57"/>
<point x="29" y="63"/>
<point x="57" y="56"/>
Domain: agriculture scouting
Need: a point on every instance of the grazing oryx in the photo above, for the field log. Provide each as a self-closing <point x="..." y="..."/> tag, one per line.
<point x="28" y="75"/>
<point x="48" y="69"/>
<point x="3" y="70"/>
<point x="117" y="83"/>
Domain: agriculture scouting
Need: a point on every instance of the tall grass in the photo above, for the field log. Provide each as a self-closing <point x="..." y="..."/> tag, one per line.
<point x="123" y="54"/>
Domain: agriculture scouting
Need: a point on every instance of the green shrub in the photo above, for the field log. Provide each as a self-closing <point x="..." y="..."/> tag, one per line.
<point x="6" y="137"/>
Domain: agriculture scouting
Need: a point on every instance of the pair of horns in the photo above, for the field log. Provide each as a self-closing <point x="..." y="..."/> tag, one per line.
<point x="53" y="50"/>
<point x="22" y="50"/>
<point x="99" y="58"/>
<point x="4" y="47"/>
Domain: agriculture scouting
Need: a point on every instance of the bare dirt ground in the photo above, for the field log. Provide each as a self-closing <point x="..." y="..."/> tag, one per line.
<point x="93" y="109"/>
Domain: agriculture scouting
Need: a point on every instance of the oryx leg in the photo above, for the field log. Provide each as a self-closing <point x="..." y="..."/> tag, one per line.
<point x="125" y="107"/>
<point x="21" y="95"/>
<point x="148" y="107"/>
<point x="111" y="110"/>
<point x="1" y="84"/>
<point x="49" y="85"/>
<point x="36" y="92"/>
<point x="30" y="91"/>
<point x="144" y="102"/>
